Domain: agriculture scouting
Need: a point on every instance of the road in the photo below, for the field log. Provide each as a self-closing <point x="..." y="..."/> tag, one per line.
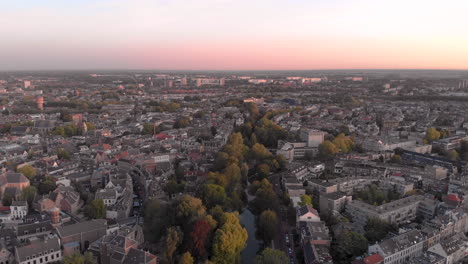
<point x="284" y="229"/>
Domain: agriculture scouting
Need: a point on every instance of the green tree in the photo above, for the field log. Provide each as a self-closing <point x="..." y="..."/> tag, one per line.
<point x="395" y="159"/>
<point x="29" y="194"/>
<point x="271" y="256"/>
<point x="157" y="218"/>
<point x="263" y="170"/>
<point x="63" y="154"/>
<point x="96" y="209"/>
<point x="7" y="199"/>
<point x="453" y="154"/>
<point x="268" y="226"/>
<point x="46" y="186"/>
<point x="86" y="258"/>
<point x="182" y="122"/>
<point x="432" y="134"/>
<point x="173" y="239"/>
<point x="28" y="171"/>
<point x="212" y="195"/>
<point x="186" y="258"/>
<point x="229" y="240"/>
<point x="189" y="209"/>
<point x="347" y="246"/>
<point x="306" y="200"/>
<point x="377" y="230"/>
<point x="327" y="150"/>
<point x="148" y="129"/>
<point x="259" y="152"/>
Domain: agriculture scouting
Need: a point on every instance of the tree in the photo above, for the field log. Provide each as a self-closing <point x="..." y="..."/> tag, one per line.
<point x="63" y="154"/>
<point x="46" y="186"/>
<point x="7" y="199"/>
<point x="432" y="134"/>
<point x="199" y="114"/>
<point x="377" y="230"/>
<point x="453" y="154"/>
<point x="229" y="240"/>
<point x="347" y="246"/>
<point x="28" y="171"/>
<point x="186" y="258"/>
<point x="265" y="198"/>
<point x="259" y="152"/>
<point x="86" y="258"/>
<point x="263" y="170"/>
<point x="28" y="194"/>
<point x="271" y="256"/>
<point x="96" y="209"/>
<point x="200" y="237"/>
<point x="148" y="129"/>
<point x="189" y="209"/>
<point x="306" y="200"/>
<point x="327" y="150"/>
<point x="268" y="226"/>
<point x="212" y="195"/>
<point x="395" y="159"/>
<point x="158" y="217"/>
<point x="343" y="143"/>
<point x="182" y="122"/>
<point x="172" y="241"/>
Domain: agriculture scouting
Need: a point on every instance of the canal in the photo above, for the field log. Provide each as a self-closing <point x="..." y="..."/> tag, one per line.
<point x="247" y="220"/>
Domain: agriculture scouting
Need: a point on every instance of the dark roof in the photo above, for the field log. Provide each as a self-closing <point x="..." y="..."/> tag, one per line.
<point x="27" y="229"/>
<point x="77" y="228"/>
<point x="38" y="246"/>
<point x="16" y="177"/>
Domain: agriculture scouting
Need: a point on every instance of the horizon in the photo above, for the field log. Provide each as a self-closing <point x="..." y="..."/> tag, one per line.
<point x="231" y="35"/>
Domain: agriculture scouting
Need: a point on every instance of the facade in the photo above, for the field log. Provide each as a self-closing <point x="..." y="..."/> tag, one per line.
<point x="450" y="143"/>
<point x="39" y="251"/>
<point x="395" y="212"/>
<point x="19" y="209"/>
<point x="399" y="249"/>
<point x="333" y="203"/>
<point x="82" y="234"/>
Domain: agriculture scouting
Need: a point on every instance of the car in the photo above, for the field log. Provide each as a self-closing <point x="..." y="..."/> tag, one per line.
<point x="286" y="238"/>
<point x="290" y="251"/>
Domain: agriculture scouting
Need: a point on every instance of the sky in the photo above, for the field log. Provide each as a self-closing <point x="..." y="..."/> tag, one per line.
<point x="233" y="34"/>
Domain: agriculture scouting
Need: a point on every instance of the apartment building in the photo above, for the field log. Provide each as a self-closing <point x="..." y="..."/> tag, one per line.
<point x="400" y="249"/>
<point x="395" y="212"/>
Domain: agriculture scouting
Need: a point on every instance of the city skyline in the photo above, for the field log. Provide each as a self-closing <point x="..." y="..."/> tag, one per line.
<point x="233" y="35"/>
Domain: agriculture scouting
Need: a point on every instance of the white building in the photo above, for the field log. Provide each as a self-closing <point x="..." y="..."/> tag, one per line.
<point x="19" y="209"/>
<point x="39" y="251"/>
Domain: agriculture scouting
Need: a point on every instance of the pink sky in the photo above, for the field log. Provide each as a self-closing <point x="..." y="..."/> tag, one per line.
<point x="234" y="35"/>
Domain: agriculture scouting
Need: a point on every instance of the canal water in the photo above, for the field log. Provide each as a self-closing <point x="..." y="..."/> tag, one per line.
<point x="247" y="220"/>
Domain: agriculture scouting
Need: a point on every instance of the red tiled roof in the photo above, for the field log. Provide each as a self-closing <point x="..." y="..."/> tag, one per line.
<point x="453" y="197"/>
<point x="373" y="259"/>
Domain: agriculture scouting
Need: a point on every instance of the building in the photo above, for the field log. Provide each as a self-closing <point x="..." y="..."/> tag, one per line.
<point x="307" y="213"/>
<point x="450" y="143"/>
<point x="453" y="249"/>
<point x="395" y="212"/>
<point x="19" y="209"/>
<point x="78" y="237"/>
<point x="39" y="251"/>
<point x="13" y="183"/>
<point x="316" y="233"/>
<point x="313" y="137"/>
<point x="333" y="203"/>
<point x="399" y="249"/>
